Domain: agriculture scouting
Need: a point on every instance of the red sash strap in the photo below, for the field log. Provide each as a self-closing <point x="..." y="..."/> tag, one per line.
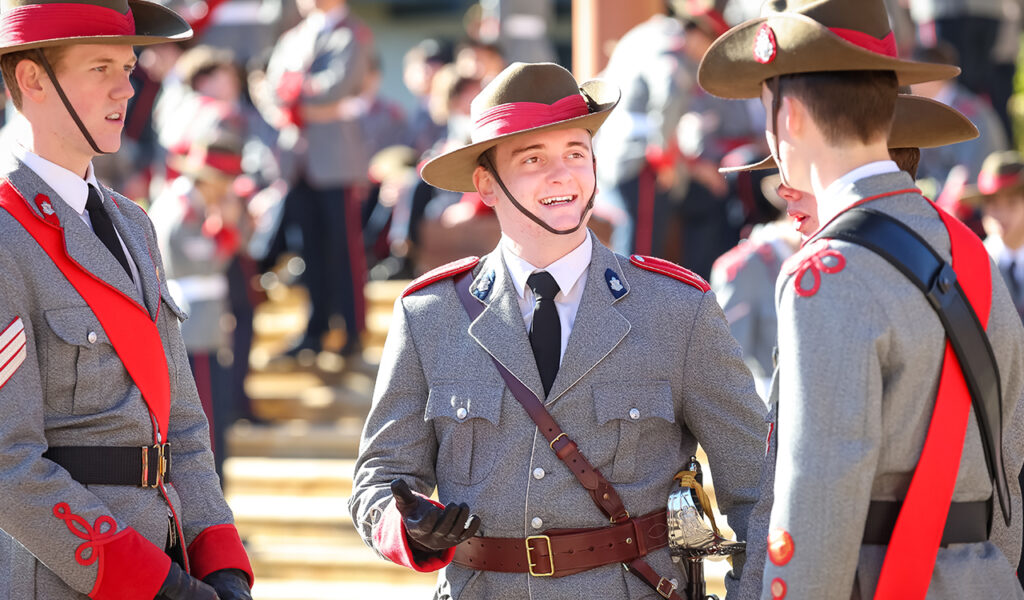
<point x="910" y="559"/>
<point x="127" y="324"/>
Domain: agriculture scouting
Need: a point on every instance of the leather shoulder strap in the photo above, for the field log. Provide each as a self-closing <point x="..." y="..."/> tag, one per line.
<point x="602" y="492"/>
<point x="918" y="261"/>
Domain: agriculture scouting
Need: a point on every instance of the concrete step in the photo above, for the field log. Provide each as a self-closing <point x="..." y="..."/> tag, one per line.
<point x="289" y="589"/>
<point x="315" y="396"/>
<point x="259" y="476"/>
<point x="296" y="439"/>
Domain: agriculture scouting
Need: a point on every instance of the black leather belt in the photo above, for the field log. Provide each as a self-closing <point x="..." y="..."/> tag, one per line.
<point x="967" y="523"/>
<point x="142" y="466"/>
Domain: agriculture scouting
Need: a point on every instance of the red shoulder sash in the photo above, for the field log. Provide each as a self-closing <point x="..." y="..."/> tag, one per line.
<point x="134" y="336"/>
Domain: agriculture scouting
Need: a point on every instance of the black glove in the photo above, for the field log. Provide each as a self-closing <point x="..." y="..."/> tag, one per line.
<point x="231" y="584"/>
<point x="179" y="585"/>
<point x="431" y="529"/>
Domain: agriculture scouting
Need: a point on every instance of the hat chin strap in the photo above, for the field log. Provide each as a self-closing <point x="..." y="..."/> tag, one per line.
<point x="774" y="85"/>
<point x="590" y="203"/>
<point x="67" y="103"/>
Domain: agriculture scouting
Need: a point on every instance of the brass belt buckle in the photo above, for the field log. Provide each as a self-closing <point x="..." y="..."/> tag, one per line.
<point x="551" y="556"/>
<point x="162" y="464"/>
<point x="671" y="588"/>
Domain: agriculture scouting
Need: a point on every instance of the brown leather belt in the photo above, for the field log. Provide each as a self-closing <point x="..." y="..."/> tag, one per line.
<point x="561" y="552"/>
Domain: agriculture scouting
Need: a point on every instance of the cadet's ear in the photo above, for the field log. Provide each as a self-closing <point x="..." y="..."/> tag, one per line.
<point x="484" y="183"/>
<point x="794" y="114"/>
<point x="29" y="76"/>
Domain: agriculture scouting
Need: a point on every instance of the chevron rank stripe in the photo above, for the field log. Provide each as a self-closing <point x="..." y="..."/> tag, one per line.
<point x="12" y="349"/>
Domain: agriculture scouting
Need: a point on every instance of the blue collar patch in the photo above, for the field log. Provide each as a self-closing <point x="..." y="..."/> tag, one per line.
<point x="484" y="285"/>
<point x="615" y="284"/>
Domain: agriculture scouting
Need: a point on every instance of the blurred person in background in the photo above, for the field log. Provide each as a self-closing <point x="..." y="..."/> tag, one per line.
<point x="419" y="66"/>
<point x="936" y="163"/>
<point x="657" y="82"/>
<point x="999" y="193"/>
<point x="200" y="230"/>
<point x="324" y="158"/>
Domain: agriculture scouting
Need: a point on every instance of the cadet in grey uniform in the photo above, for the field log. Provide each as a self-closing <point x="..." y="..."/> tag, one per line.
<point x="860" y="348"/>
<point x="95" y="391"/>
<point x="640" y="368"/>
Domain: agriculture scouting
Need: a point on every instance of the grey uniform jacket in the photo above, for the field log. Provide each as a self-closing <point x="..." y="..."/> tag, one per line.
<point x="645" y="377"/>
<point x="743" y="280"/>
<point x="859" y="365"/>
<point x="196" y="269"/>
<point x="328" y="154"/>
<point x="72" y="390"/>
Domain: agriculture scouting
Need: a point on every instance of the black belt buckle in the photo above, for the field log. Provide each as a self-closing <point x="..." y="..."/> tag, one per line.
<point x="163" y="464"/>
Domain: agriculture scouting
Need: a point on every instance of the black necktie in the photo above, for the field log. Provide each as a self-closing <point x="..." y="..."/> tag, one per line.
<point x="104" y="229"/>
<point x="546" y="330"/>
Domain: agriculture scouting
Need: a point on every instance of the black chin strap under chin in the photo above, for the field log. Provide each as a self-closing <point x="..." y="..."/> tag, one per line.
<point x="583" y="217"/>
<point x="67" y="103"/>
<point x="774" y="85"/>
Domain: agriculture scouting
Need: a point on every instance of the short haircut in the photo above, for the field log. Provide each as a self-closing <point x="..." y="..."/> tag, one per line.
<point x="9" y="64"/>
<point x="906" y="159"/>
<point x="846" y="105"/>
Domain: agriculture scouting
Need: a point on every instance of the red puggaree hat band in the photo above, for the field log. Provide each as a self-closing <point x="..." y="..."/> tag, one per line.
<point x="514" y="117"/>
<point x="33" y="23"/>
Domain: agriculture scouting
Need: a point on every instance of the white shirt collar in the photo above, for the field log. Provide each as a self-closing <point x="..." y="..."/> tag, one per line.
<point x="325" y="21"/>
<point x="70" y="186"/>
<point x="1001" y="254"/>
<point x="836" y="197"/>
<point x="567" y="270"/>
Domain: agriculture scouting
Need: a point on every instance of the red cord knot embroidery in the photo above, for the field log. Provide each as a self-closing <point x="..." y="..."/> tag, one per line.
<point x="95" y="536"/>
<point x="812" y="259"/>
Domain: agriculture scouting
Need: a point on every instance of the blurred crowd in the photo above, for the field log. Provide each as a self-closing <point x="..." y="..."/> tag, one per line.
<point x="265" y="151"/>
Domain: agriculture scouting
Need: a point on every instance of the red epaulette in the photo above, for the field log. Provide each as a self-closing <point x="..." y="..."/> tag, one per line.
<point x="733" y="260"/>
<point x="443" y="272"/>
<point x="671" y="269"/>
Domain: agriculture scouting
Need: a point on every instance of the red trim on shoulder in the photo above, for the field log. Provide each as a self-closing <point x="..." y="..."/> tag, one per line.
<point x="443" y="272"/>
<point x="390" y="539"/>
<point x="670" y="269"/>
<point x="732" y="261"/>
<point x="218" y="547"/>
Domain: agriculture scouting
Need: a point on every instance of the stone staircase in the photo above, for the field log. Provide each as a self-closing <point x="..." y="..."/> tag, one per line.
<point x="288" y="481"/>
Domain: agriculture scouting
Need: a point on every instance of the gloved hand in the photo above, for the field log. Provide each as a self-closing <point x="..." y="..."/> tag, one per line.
<point x="179" y="585"/>
<point x="430" y="528"/>
<point x="231" y="584"/>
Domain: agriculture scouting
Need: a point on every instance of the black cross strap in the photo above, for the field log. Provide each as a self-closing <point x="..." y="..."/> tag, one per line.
<point x="922" y="265"/>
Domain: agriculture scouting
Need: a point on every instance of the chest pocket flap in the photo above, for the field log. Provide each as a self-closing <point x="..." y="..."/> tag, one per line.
<point x="465" y="416"/>
<point x="635" y="412"/>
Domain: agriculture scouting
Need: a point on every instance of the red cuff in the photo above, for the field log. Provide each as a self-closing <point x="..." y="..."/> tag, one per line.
<point x="390" y="539"/>
<point x="136" y="568"/>
<point x="215" y="548"/>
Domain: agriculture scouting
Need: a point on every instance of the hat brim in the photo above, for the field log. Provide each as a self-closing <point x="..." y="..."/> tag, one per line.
<point x="453" y="170"/>
<point x="729" y="68"/>
<point x="154" y="24"/>
<point x="918" y="122"/>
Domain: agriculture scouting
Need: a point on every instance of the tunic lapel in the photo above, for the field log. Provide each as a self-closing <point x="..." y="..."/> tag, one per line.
<point x="599" y="326"/>
<point x="81" y="243"/>
<point x="500" y="329"/>
<point x="134" y="237"/>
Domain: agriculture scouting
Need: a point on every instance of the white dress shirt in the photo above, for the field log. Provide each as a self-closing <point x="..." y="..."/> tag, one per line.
<point x="74" y="191"/>
<point x="569" y="273"/>
<point x="829" y="206"/>
<point x="1003" y="256"/>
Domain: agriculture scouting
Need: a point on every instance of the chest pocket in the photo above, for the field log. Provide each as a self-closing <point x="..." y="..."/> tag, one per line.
<point x="634" y="412"/>
<point x="80" y="341"/>
<point x="465" y="418"/>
